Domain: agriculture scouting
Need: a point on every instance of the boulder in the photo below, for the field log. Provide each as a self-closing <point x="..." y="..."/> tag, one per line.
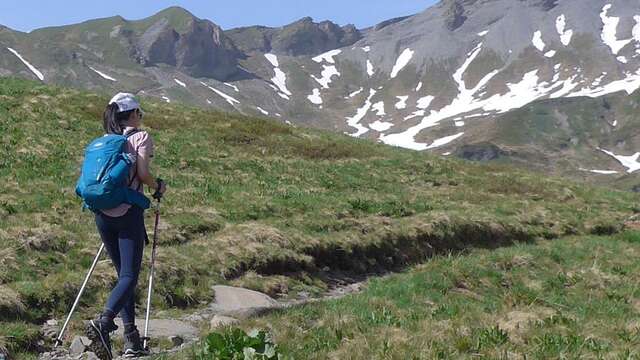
<point x="241" y="303"/>
<point x="79" y="345"/>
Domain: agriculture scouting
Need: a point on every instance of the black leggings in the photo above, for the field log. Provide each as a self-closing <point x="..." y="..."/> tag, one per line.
<point x="124" y="239"/>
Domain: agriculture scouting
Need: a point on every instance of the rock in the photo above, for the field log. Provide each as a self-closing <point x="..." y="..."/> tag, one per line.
<point x="219" y="321"/>
<point x="79" y="345"/>
<point x="200" y="49"/>
<point x="50" y="329"/>
<point x="480" y="152"/>
<point x="164" y="328"/>
<point x="454" y="17"/>
<point x="241" y="303"/>
<point x="176" y="340"/>
<point x="90" y="356"/>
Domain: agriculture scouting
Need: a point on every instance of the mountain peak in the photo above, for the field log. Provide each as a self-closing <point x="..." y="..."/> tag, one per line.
<point x="175" y="11"/>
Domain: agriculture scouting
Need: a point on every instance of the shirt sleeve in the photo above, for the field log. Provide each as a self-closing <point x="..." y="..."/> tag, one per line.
<point x="144" y="145"/>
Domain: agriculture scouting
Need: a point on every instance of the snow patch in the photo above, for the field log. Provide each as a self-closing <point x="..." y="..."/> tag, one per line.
<point x="280" y="78"/>
<point x="630" y="162"/>
<point x="565" y="35"/>
<point x="315" y="97"/>
<point x="403" y="60"/>
<point x="483" y="33"/>
<point x="609" y="31"/>
<point x="415" y="114"/>
<point x="550" y="53"/>
<point x="356" y="92"/>
<point x="425" y="102"/>
<point x="459" y="123"/>
<point x="537" y="40"/>
<point x="402" y="102"/>
<point x="273" y="59"/>
<point x="33" y="69"/>
<point x="419" y="86"/>
<point x="354" y="121"/>
<point x="444" y="141"/>
<point x="166" y="99"/>
<point x="380" y="126"/>
<point x="629" y="84"/>
<point x="379" y="108"/>
<point x="233" y="87"/>
<point x="263" y="111"/>
<point x="622" y="59"/>
<point x="603" y="172"/>
<point x="103" y="75"/>
<point x="370" y="70"/>
<point x="366" y="49"/>
<point x="635" y="32"/>
<point x="328" y="72"/>
<point x="232" y="101"/>
<point x="328" y="56"/>
<point x="180" y="83"/>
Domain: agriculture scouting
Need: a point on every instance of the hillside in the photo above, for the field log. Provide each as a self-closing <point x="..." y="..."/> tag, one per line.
<point x="443" y="80"/>
<point x="254" y="203"/>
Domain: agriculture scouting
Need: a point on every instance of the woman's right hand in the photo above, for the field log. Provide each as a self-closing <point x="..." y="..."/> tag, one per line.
<point x="161" y="188"/>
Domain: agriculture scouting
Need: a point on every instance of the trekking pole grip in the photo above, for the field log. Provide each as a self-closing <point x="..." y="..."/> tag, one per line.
<point x="158" y="195"/>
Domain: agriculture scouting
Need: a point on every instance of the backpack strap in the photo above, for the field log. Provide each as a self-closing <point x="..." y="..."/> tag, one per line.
<point x="135" y="173"/>
<point x="131" y="133"/>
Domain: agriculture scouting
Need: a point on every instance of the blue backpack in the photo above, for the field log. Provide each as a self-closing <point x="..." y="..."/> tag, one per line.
<point x="103" y="182"/>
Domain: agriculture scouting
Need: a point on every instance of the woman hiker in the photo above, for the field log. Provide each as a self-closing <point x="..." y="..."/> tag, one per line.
<point x="123" y="231"/>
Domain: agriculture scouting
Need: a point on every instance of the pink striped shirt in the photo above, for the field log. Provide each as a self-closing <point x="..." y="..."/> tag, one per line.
<point x="138" y="144"/>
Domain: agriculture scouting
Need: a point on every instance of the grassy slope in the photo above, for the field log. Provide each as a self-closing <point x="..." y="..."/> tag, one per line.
<point x="575" y="298"/>
<point x="254" y="203"/>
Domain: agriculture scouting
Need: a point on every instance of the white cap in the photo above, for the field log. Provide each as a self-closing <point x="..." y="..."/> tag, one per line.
<point x="125" y="101"/>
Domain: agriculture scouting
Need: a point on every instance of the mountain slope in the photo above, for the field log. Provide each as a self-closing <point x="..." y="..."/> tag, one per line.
<point x="429" y="81"/>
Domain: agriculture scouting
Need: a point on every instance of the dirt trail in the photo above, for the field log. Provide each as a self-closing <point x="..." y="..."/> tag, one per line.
<point x="230" y="304"/>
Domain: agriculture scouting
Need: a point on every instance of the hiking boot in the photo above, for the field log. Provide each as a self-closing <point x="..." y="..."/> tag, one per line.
<point x="133" y="344"/>
<point x="98" y="332"/>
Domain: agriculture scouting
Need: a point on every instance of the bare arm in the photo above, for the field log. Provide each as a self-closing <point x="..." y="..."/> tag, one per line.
<point x="144" y="173"/>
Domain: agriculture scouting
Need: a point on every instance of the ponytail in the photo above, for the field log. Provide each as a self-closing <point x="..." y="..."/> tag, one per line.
<point x="112" y="120"/>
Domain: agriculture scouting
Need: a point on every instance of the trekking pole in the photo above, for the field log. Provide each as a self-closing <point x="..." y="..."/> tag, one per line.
<point x="151" y="271"/>
<point x="75" y="303"/>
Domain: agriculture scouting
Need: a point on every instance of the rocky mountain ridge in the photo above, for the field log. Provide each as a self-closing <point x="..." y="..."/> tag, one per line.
<point x="441" y="79"/>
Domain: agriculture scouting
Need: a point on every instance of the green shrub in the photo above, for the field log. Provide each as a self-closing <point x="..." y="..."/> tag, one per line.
<point x="235" y="344"/>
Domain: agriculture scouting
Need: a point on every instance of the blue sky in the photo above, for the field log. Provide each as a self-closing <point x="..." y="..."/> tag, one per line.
<point x="26" y="15"/>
